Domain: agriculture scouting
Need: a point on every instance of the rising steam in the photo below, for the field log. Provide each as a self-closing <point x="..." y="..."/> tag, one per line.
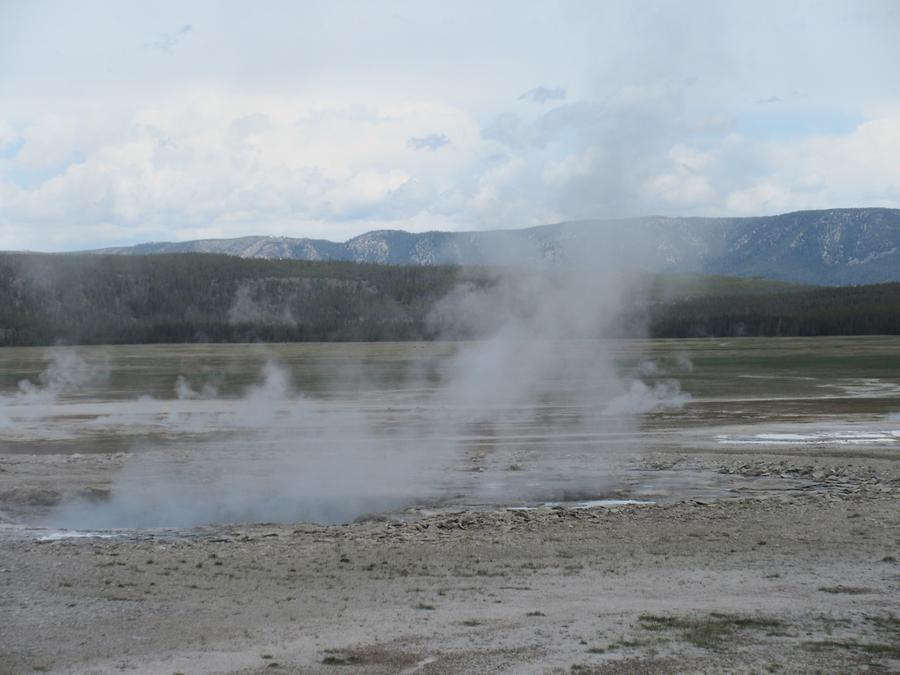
<point x="66" y="372"/>
<point x="278" y="454"/>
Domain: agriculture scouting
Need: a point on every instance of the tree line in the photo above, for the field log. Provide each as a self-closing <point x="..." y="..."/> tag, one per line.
<point x="169" y="298"/>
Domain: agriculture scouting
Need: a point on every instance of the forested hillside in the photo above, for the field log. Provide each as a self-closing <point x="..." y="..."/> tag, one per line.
<point x="810" y="311"/>
<point x="91" y="299"/>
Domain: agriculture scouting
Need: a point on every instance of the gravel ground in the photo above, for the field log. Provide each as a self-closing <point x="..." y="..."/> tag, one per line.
<point x="771" y="545"/>
<point x="796" y="581"/>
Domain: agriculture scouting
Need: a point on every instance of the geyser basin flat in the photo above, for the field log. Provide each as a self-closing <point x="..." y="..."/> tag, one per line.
<point x="197" y="425"/>
<point x="635" y="487"/>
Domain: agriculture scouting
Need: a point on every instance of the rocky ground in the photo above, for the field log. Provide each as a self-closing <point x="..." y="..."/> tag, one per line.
<point x="805" y="580"/>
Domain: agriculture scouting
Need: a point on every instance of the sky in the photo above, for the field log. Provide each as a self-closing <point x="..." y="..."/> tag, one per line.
<point x="123" y="122"/>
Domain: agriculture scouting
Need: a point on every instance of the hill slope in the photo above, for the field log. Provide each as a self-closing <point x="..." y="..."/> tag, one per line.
<point x="832" y="247"/>
<point x="91" y="299"/>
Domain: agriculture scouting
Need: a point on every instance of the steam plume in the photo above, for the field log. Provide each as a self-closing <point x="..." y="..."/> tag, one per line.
<point x="276" y="453"/>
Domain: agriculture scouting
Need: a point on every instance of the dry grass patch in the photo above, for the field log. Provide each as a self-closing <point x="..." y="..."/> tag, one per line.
<point x="709" y="631"/>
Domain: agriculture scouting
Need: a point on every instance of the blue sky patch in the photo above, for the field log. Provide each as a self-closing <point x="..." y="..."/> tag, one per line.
<point x="772" y="122"/>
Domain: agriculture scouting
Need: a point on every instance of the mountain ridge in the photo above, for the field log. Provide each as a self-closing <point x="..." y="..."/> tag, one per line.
<point x="829" y="247"/>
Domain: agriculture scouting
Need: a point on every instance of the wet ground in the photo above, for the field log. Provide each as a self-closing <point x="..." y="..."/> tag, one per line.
<point x="87" y="425"/>
<point x="745" y="519"/>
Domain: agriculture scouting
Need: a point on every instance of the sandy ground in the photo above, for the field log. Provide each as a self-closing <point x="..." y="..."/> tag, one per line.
<point x="798" y="581"/>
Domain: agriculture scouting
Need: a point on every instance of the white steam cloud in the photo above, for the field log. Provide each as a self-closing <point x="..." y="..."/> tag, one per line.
<point x="278" y="454"/>
<point x="643" y="398"/>
<point x="66" y="373"/>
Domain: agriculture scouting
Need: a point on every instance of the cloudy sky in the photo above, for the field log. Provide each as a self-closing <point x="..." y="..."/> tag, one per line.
<point x="127" y="121"/>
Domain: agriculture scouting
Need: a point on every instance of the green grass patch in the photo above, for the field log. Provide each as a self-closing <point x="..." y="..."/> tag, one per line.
<point x="889" y="651"/>
<point x="707" y="632"/>
<point x="630" y="644"/>
<point x="889" y="623"/>
<point x="341" y="660"/>
<point x="848" y="590"/>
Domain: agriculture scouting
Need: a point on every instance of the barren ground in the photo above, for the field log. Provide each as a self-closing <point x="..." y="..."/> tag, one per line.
<point x="799" y="578"/>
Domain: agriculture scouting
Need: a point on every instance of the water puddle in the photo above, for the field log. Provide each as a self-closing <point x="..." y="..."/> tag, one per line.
<point x="848" y="437"/>
<point x="590" y="504"/>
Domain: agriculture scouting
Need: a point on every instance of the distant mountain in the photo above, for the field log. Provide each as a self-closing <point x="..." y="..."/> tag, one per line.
<point x="831" y="247"/>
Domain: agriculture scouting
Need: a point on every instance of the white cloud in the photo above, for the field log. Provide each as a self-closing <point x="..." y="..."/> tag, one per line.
<point x="561" y="172"/>
<point x="331" y="119"/>
<point x="7" y="135"/>
<point x="680" y="188"/>
<point x="855" y="169"/>
<point x="200" y="162"/>
<point x="51" y="140"/>
<point x="759" y="199"/>
<point x="226" y="165"/>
